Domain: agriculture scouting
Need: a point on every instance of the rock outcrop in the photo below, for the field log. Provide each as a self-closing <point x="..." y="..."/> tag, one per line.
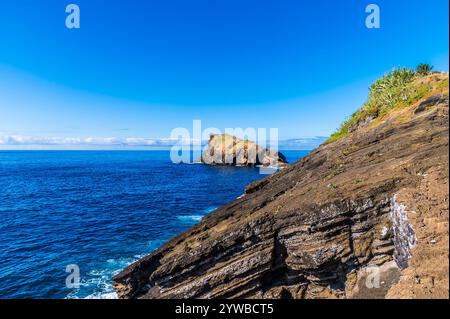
<point x="365" y="216"/>
<point x="226" y="149"/>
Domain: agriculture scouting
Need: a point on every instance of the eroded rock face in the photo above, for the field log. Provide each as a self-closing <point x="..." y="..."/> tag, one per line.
<point x="342" y="222"/>
<point x="229" y="150"/>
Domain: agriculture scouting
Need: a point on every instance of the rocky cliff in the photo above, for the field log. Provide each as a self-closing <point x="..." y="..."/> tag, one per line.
<point x="226" y="149"/>
<point x="363" y="216"/>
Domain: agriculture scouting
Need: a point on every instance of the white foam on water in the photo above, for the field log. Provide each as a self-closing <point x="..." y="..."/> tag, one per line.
<point x="106" y="295"/>
<point x="210" y="209"/>
<point x="99" y="280"/>
<point x="190" y="218"/>
<point x="196" y="217"/>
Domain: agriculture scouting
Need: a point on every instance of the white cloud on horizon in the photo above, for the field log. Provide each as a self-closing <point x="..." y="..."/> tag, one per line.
<point x="24" y="141"/>
<point x="99" y="141"/>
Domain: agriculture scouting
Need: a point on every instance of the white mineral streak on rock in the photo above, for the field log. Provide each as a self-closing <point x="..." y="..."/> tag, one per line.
<point x="404" y="235"/>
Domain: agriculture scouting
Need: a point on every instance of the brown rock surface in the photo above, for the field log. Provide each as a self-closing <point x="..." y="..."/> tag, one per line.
<point x="226" y="149"/>
<point x="365" y="216"/>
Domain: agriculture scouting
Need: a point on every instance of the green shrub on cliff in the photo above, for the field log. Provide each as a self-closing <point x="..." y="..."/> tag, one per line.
<point x="392" y="90"/>
<point x="424" y="69"/>
<point x="343" y="129"/>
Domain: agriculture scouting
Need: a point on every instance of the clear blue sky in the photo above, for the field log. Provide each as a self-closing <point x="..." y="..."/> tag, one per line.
<point x="141" y="68"/>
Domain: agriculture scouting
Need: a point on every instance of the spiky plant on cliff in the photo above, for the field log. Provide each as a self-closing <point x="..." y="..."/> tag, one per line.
<point x="394" y="89"/>
<point x="424" y="69"/>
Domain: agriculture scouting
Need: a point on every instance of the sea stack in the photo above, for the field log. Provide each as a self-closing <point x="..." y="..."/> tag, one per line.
<point x="225" y="149"/>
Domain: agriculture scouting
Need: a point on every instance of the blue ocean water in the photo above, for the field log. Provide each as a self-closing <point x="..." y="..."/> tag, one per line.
<point x="100" y="210"/>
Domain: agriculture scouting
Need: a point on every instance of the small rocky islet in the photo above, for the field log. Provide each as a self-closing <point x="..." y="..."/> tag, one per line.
<point x="225" y="149"/>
